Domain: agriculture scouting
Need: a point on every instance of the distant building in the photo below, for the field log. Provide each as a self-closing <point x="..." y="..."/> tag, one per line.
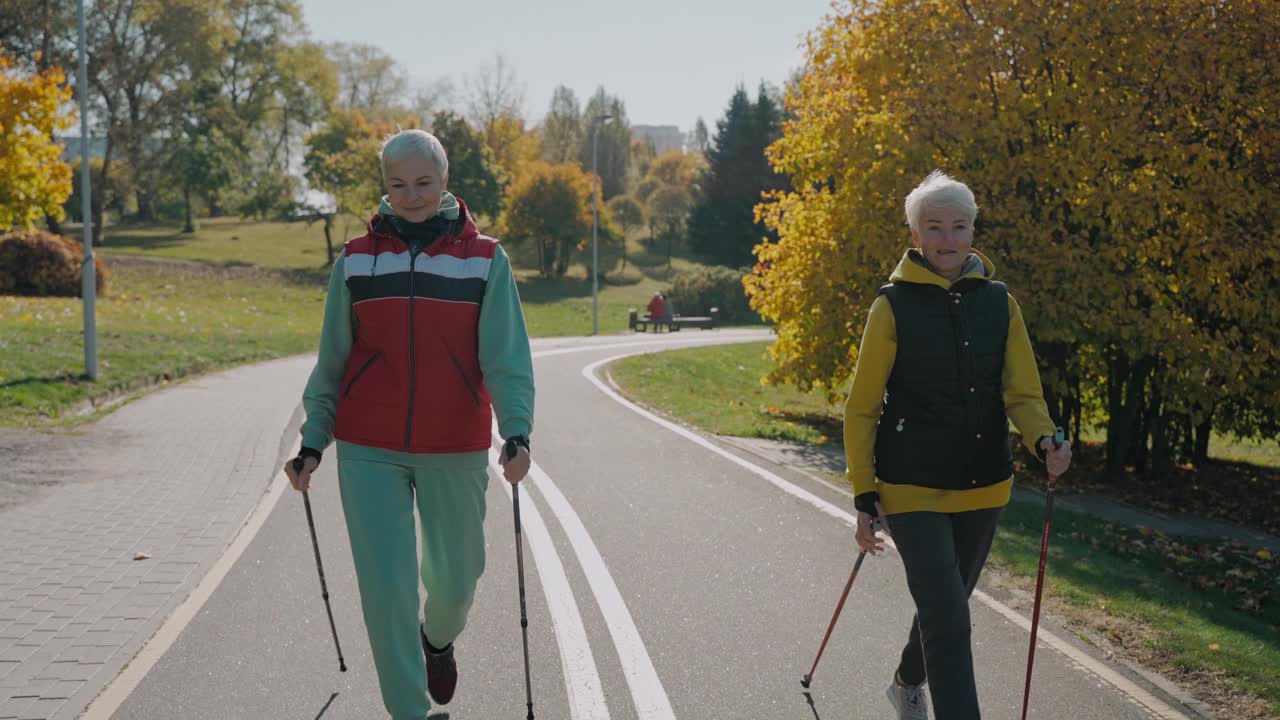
<point x="71" y="148"/>
<point x="664" y="137"/>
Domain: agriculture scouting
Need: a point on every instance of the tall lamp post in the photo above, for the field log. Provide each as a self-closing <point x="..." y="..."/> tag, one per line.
<point x="88" y="287"/>
<point x="596" y="122"/>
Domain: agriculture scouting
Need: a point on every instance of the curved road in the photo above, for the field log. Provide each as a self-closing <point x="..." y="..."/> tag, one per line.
<point x="668" y="576"/>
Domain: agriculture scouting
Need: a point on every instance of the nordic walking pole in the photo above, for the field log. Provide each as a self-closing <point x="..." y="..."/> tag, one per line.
<point x="324" y="588"/>
<point x="510" y="450"/>
<point x="876" y="526"/>
<point x="808" y="678"/>
<point x="1058" y="439"/>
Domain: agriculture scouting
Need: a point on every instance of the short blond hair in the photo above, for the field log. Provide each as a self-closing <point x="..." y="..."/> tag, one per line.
<point x="413" y="142"/>
<point x="939" y="190"/>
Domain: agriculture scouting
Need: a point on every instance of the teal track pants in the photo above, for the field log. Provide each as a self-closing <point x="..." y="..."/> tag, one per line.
<point x="378" y="500"/>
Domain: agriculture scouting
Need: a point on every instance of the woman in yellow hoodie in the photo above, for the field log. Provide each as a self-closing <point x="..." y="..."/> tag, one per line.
<point x="945" y="362"/>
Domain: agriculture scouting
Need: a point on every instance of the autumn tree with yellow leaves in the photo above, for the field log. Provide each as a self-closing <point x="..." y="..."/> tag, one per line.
<point x="1125" y="157"/>
<point x="34" y="180"/>
<point x="549" y="206"/>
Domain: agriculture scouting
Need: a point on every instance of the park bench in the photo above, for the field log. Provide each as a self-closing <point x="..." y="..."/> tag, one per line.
<point x="642" y="323"/>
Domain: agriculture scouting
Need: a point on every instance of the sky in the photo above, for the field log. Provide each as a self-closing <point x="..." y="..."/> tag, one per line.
<point x="671" y="61"/>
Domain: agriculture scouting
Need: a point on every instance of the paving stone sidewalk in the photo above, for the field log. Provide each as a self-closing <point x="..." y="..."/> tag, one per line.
<point x="172" y="476"/>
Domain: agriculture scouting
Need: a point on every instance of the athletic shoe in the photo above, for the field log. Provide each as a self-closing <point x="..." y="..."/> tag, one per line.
<point x="442" y="672"/>
<point x="910" y="701"/>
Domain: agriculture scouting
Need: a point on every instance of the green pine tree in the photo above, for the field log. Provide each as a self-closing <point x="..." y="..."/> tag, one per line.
<point x="722" y="223"/>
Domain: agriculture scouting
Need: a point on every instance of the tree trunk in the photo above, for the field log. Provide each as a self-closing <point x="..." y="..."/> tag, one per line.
<point x="328" y="236"/>
<point x="1062" y="404"/>
<point x="1078" y="411"/>
<point x="544" y="258"/>
<point x="188" y="227"/>
<point x="52" y="224"/>
<point x="1162" y="426"/>
<point x="99" y="193"/>
<point x="1126" y="383"/>
<point x="1200" y="454"/>
<point x="1117" y="420"/>
<point x="146" y="209"/>
<point x="284" y="135"/>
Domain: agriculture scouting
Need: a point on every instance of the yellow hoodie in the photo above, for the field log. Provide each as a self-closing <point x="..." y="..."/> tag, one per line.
<point x="1023" y="398"/>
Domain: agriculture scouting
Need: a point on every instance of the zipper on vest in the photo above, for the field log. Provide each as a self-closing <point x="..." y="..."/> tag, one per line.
<point x="413" y="366"/>
<point x="360" y="372"/>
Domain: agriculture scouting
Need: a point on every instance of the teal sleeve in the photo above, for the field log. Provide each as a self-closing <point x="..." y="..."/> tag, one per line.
<point x="320" y="399"/>
<point x="505" y="358"/>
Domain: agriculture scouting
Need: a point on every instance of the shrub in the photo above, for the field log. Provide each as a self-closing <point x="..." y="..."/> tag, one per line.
<point x="35" y="262"/>
<point x="695" y="292"/>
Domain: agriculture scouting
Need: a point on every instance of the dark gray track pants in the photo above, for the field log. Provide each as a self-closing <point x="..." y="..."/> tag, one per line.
<point x="943" y="555"/>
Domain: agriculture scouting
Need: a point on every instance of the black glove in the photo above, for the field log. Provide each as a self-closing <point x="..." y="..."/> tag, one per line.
<point x="509" y="448"/>
<point x="304" y="453"/>
<point x="866" y="502"/>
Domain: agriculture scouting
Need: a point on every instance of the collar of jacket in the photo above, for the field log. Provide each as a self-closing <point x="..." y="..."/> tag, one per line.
<point x="380" y="224"/>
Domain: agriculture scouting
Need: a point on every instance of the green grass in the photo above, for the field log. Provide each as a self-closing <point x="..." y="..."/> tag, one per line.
<point x="1222" y="446"/>
<point x="553" y="306"/>
<point x="233" y="241"/>
<point x="719" y="389"/>
<point x="158" y="319"/>
<point x="1257" y="452"/>
<point x="236" y="291"/>
<point x="1186" y="624"/>
<point x="562" y="306"/>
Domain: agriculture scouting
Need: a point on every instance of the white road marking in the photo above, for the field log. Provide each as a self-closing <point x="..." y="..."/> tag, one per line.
<point x="114" y="694"/>
<point x="646" y="689"/>
<point x="1135" y="693"/>
<point x="581" y="677"/>
<point x="118" y="690"/>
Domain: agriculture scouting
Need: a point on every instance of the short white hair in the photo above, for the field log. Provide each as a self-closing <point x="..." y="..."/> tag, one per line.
<point x="939" y="190"/>
<point x="413" y="142"/>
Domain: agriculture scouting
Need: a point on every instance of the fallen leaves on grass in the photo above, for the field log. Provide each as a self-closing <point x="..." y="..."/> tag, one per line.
<point x="1251" y="578"/>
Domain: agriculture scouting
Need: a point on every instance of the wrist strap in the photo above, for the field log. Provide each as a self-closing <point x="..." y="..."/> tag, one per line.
<point x="509" y="448"/>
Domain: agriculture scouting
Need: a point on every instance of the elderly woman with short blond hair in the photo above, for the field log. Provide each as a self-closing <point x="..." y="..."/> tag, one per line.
<point x="423" y="342"/>
<point x="945" y="362"/>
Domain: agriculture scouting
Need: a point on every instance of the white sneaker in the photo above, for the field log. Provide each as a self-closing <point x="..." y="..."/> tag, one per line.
<point x="910" y="701"/>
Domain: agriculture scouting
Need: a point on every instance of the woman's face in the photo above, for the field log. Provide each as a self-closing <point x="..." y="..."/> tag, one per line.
<point x="414" y="186"/>
<point x="945" y="237"/>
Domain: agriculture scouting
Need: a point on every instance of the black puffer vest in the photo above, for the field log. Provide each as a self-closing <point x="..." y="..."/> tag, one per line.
<point x="944" y="424"/>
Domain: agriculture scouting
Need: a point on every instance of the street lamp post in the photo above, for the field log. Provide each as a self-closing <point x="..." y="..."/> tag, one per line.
<point x="596" y="122"/>
<point x="88" y="286"/>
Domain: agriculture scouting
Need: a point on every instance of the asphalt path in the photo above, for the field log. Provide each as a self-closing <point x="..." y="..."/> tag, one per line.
<point x="668" y="576"/>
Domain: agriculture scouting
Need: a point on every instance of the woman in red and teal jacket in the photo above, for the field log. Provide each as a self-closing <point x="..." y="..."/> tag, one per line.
<point x="423" y="335"/>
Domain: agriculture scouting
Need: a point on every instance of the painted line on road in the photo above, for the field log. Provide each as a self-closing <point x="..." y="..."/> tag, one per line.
<point x="119" y="689"/>
<point x="745" y="336"/>
<point x="581" y="676"/>
<point x="647" y="692"/>
<point x="1083" y="660"/>
<point x="114" y="694"/>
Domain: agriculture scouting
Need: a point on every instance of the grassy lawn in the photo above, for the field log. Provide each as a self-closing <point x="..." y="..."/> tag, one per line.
<point x="235" y="291"/>
<point x="1205" y="613"/>
<point x="553" y="307"/>
<point x="159" y="320"/>
<point x="683" y="382"/>
<point x="1132" y="597"/>
<point x="232" y="241"/>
